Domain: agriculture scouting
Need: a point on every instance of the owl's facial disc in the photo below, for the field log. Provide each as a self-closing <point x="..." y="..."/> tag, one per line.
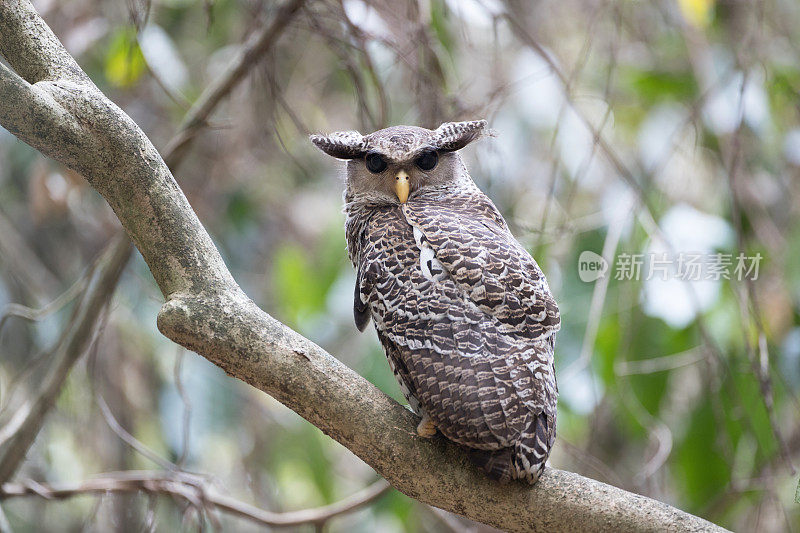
<point x="402" y="186"/>
<point x="375" y="162"/>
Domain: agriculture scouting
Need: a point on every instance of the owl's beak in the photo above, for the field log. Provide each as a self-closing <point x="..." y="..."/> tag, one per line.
<point x="402" y="187"/>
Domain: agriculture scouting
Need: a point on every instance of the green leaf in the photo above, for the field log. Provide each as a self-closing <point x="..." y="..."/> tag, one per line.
<point x="606" y="349"/>
<point x="439" y="25"/>
<point x="654" y="338"/>
<point x="303" y="277"/>
<point x="402" y="508"/>
<point x="702" y="469"/>
<point x="124" y="63"/>
<point x="792" y="271"/>
<point x="375" y="369"/>
<point x="295" y="283"/>
<point x="241" y="209"/>
<point x="783" y="88"/>
<point x="654" y="86"/>
<point x="299" y="459"/>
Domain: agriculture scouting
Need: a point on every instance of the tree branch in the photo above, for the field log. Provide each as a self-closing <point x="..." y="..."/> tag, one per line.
<point x="193" y="489"/>
<point x="207" y="312"/>
<point x="23" y="427"/>
<point x="253" y="50"/>
<point x="24" y="264"/>
<point x="20" y="432"/>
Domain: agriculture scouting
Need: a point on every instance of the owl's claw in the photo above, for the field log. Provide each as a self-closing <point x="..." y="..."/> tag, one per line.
<point x="426" y="428"/>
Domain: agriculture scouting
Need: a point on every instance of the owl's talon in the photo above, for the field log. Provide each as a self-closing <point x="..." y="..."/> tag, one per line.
<point x="426" y="428"/>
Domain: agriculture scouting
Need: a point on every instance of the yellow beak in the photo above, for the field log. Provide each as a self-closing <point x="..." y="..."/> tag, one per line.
<point x="402" y="187"/>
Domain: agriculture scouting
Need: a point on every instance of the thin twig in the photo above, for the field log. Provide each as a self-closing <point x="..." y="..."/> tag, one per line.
<point x="194" y="490"/>
<point x="74" y="342"/>
<point x="34" y="314"/>
<point x="730" y="151"/>
<point x="29" y="313"/>
<point x="597" y="135"/>
<point x="251" y="345"/>
<point x="659" y="364"/>
<point x="129" y="439"/>
<point x="253" y="50"/>
<point x="599" y="295"/>
<point x="187" y="406"/>
<point x="361" y="39"/>
<point x="26" y="428"/>
<point x="24" y="263"/>
<point x="5" y="525"/>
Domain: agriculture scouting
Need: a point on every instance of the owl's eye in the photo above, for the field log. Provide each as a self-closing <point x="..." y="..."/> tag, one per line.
<point x="427" y="160"/>
<point x="375" y="163"/>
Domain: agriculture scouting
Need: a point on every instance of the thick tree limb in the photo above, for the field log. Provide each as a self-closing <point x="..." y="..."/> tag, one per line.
<point x="23" y="427"/>
<point x="58" y="110"/>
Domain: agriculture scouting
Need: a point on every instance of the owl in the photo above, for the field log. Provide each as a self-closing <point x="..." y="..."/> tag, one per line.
<point x="463" y="312"/>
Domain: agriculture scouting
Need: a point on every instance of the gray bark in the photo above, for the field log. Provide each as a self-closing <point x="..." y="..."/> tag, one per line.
<point x="50" y="103"/>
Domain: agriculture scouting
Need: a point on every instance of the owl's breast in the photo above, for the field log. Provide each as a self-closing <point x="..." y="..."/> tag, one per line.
<point x="479" y="379"/>
<point x="430" y="267"/>
<point x="402" y="251"/>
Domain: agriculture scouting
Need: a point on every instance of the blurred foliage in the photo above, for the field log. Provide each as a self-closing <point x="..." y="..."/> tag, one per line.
<point x="124" y="63"/>
<point x="695" y="101"/>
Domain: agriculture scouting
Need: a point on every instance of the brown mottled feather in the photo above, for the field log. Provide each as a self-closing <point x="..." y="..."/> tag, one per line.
<point x="468" y="350"/>
<point x="471" y="346"/>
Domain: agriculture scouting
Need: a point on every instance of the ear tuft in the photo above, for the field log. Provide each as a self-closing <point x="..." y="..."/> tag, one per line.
<point x="452" y="136"/>
<point x="342" y="144"/>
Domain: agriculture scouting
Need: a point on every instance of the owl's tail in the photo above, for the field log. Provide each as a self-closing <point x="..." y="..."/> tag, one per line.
<point x="526" y="459"/>
<point x="496" y="463"/>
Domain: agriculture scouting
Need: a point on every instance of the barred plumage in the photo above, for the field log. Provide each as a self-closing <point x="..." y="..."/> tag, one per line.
<point x="463" y="312"/>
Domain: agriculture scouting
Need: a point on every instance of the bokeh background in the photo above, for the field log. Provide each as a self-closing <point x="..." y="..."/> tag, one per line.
<point x="620" y="127"/>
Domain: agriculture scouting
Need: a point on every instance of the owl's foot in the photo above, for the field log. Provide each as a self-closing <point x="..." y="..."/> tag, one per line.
<point x="425" y="428"/>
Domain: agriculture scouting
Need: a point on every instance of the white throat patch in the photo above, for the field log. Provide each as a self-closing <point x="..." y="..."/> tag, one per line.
<point x="431" y="267"/>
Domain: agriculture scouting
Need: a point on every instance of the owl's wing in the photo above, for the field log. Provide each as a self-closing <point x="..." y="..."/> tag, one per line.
<point x="482" y="381"/>
<point x="360" y="307"/>
<point x="471" y="240"/>
<point x="438" y="346"/>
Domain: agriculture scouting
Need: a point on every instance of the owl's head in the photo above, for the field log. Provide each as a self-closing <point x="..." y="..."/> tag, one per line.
<point x="393" y="164"/>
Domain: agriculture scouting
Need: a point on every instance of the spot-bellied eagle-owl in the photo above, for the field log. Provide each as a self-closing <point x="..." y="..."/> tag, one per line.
<point x="464" y="313"/>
